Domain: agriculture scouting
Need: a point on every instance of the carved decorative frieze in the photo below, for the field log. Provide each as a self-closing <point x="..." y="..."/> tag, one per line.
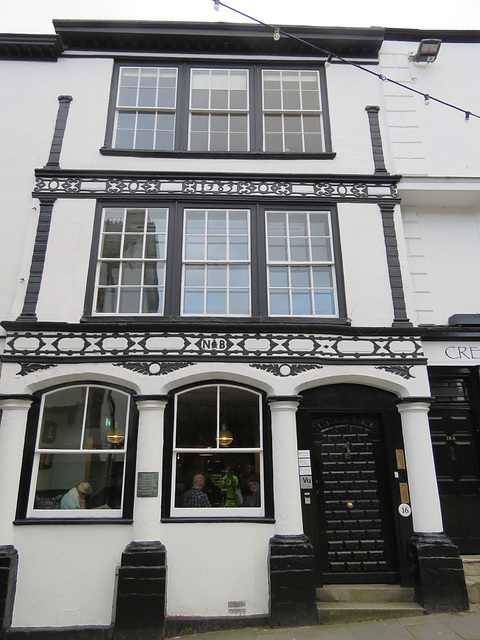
<point x="149" y="346"/>
<point x="153" y="368"/>
<point x="332" y="188"/>
<point x="402" y="370"/>
<point x="31" y="367"/>
<point x="285" y="370"/>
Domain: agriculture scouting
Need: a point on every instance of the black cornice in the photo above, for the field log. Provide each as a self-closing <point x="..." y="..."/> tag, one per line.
<point x="17" y="46"/>
<point x="221" y="325"/>
<point x="215" y="38"/>
<point x="445" y="35"/>
<point x="449" y="333"/>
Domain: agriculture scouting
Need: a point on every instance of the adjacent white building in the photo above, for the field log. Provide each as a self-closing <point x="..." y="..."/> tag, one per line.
<point x="244" y="266"/>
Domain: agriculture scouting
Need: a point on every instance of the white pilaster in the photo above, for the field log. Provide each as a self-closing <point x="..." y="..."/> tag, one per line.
<point x="146" y="511"/>
<point x="286" y="486"/>
<point x="12" y="436"/>
<point x="422" y="478"/>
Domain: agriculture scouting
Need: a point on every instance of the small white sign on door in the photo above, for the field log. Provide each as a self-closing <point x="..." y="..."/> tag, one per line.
<point x="405" y="510"/>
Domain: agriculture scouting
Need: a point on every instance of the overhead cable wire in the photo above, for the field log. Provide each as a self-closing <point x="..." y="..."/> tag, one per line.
<point x="278" y="31"/>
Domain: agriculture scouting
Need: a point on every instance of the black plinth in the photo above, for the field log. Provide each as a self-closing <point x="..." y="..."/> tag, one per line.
<point x="292" y="582"/>
<point x="8" y="581"/>
<point x="438" y="575"/>
<point x="141" y="592"/>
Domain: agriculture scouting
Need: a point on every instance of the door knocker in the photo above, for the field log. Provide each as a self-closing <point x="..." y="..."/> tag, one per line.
<point x="348" y="452"/>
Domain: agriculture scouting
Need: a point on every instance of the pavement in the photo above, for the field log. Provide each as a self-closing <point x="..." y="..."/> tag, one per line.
<point x="439" y="626"/>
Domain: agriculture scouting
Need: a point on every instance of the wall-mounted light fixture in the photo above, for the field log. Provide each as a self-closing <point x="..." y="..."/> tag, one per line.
<point x="427" y="51"/>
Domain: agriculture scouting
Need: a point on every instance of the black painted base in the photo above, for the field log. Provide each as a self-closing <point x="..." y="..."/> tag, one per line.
<point x="292" y="582"/>
<point x="188" y="626"/>
<point x="141" y="592"/>
<point x="65" y="633"/>
<point x="8" y="582"/>
<point x="439" y="579"/>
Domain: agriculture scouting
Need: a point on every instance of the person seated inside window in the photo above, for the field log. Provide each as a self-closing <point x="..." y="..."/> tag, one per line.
<point x="76" y="498"/>
<point x="253" y="500"/>
<point x="195" y="496"/>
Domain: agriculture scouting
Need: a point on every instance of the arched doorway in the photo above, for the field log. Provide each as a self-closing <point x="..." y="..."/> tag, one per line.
<point x="353" y="433"/>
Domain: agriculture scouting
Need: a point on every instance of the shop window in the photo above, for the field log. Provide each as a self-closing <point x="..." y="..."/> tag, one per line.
<point x="80" y="443"/>
<point x="217" y="453"/>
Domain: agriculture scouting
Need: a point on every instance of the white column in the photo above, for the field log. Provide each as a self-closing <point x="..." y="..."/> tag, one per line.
<point x="422" y="478"/>
<point x="146" y="511"/>
<point x="286" y="485"/>
<point x="12" y="437"/>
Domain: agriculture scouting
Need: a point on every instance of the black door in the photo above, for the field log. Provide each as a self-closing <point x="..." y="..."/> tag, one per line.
<point x="351" y="499"/>
<point x="454" y="427"/>
<point x="351" y="512"/>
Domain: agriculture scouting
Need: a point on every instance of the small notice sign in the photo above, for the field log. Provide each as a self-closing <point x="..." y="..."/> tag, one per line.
<point x="404" y="510"/>
<point x="147" y="485"/>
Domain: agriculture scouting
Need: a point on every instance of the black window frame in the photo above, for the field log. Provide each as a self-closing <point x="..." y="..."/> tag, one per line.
<point x="182" y="109"/>
<point x="33" y="424"/>
<point x="258" y="265"/>
<point x="266" y="481"/>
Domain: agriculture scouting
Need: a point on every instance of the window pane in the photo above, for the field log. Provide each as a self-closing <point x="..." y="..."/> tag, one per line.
<point x="301" y="303"/>
<point x="279" y="303"/>
<point x="277" y="249"/>
<point x="294" y="142"/>
<point x="278" y="276"/>
<point x="239" y="302"/>
<point x="300" y="277"/>
<point x="194" y="275"/>
<point x="127" y="97"/>
<point x="245" y="475"/>
<point x="217" y="301"/>
<point x="276" y="224"/>
<point x="196" y="424"/>
<point x="297" y="224"/>
<point x="321" y="250"/>
<point x="194" y="248"/>
<point x="218" y="142"/>
<point x="193" y="302"/>
<point x="273" y="124"/>
<point x="135" y="220"/>
<point x="62" y="419"/>
<point x="157" y="220"/>
<point x="154" y="273"/>
<point x="60" y="474"/>
<point x="105" y="426"/>
<point x="133" y="246"/>
<point x="216" y="276"/>
<point x="319" y="224"/>
<point x="111" y="246"/>
<point x="107" y="301"/>
<point x="195" y="222"/>
<point x="132" y="273"/>
<point x="155" y="246"/>
<point x="125" y="139"/>
<point x="129" y="300"/>
<point x="322" y="277"/>
<point x="109" y="272"/>
<point x="152" y="300"/>
<point x="238" y="222"/>
<point x="144" y="140"/>
<point x="324" y="303"/>
<point x="239" y="411"/>
<point x="299" y="250"/>
<point x="216" y="248"/>
<point x="217" y="222"/>
<point x="238" y="275"/>
<point x="146" y="121"/>
<point x="219" y="123"/>
<point x="274" y="142"/>
<point x="238" y="248"/>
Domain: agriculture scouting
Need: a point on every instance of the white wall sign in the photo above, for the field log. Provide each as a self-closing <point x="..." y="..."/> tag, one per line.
<point x="452" y="353"/>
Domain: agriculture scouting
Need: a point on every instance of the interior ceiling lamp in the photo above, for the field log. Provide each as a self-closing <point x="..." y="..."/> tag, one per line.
<point x="113" y="436"/>
<point x="225" y="437"/>
<point x="427" y="51"/>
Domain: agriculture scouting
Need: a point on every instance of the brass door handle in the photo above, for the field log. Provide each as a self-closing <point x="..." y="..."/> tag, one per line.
<point x="350" y="505"/>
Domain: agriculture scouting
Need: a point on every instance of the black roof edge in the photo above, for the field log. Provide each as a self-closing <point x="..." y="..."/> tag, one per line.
<point x="18" y="46"/>
<point x="445" y="35"/>
<point x="217" y="38"/>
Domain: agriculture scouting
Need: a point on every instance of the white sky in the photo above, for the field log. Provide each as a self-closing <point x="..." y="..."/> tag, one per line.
<point x="35" y="16"/>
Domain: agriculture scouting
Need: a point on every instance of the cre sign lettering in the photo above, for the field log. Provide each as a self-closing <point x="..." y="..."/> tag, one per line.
<point x="461" y="352"/>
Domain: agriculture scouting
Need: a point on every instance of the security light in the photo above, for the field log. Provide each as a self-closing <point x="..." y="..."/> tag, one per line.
<point x="427" y="51"/>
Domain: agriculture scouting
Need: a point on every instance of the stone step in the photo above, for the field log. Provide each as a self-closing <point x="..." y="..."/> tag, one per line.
<point x="471" y="566"/>
<point x="364" y="593"/>
<point x="346" y="612"/>
<point x="473" y="590"/>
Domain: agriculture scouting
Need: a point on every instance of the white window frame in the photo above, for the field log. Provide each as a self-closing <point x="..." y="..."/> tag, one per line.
<point x="212" y="111"/>
<point x="227" y="262"/>
<point x="76" y="513"/>
<point x="288" y="263"/>
<point x="139" y="108"/>
<point x="143" y="260"/>
<point x="284" y="111"/>
<point x="217" y="512"/>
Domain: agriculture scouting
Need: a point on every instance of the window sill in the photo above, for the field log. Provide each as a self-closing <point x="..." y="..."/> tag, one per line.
<point x="238" y="519"/>
<point x="234" y="155"/>
<point x="29" y="521"/>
